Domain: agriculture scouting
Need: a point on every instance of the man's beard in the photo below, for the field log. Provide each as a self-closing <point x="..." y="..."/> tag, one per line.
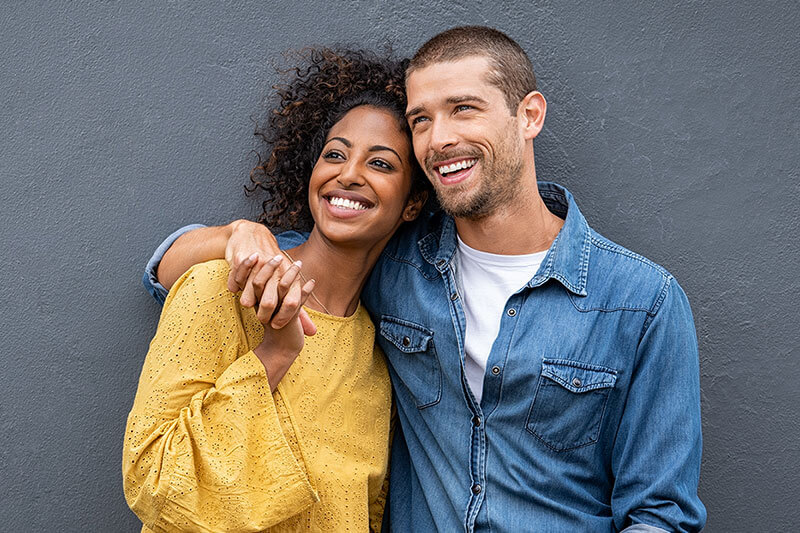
<point x="500" y="181"/>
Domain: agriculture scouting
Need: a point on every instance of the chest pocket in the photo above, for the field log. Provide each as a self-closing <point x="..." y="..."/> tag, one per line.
<point x="569" y="403"/>
<point x="411" y="353"/>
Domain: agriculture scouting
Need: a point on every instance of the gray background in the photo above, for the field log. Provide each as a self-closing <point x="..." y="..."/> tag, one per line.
<point x="673" y="123"/>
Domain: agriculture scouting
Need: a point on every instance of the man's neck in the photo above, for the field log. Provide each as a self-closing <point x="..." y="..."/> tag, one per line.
<point x="526" y="226"/>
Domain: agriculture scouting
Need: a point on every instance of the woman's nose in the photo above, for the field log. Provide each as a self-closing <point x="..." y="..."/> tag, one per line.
<point x="350" y="174"/>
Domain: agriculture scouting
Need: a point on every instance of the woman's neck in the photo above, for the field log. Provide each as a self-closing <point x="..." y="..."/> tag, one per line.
<point x="340" y="272"/>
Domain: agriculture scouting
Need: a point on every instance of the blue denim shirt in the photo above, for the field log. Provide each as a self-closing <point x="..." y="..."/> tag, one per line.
<point x="590" y="417"/>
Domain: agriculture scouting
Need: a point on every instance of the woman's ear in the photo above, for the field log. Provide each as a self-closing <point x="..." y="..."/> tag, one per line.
<point x="414" y="206"/>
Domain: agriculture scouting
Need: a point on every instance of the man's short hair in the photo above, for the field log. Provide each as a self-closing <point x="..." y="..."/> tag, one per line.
<point x="512" y="71"/>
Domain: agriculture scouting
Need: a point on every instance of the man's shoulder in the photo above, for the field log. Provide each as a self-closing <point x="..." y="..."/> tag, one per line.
<point x="620" y="279"/>
<point x="405" y="243"/>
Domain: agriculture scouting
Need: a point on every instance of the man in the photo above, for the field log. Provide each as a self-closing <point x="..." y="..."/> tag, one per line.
<point x="546" y="379"/>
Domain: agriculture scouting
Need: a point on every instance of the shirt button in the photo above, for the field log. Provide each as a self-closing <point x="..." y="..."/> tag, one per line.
<point x="576" y="382"/>
<point x="476" y="421"/>
<point x="406" y="341"/>
<point x="454" y="296"/>
<point x="512" y="312"/>
<point x="495" y="370"/>
<point x="476" y="489"/>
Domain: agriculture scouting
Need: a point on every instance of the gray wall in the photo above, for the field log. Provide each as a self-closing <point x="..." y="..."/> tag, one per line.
<point x="674" y="123"/>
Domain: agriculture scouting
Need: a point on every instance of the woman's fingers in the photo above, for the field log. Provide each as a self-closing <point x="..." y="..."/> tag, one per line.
<point x="292" y="303"/>
<point x="240" y="271"/>
<point x="309" y="328"/>
<point x="255" y="292"/>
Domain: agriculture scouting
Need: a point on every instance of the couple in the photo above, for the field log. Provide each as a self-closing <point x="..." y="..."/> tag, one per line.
<point x="545" y="378"/>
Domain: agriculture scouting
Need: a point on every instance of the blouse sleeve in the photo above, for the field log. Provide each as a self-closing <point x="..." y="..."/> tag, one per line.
<point x="207" y="446"/>
<point x="378" y="506"/>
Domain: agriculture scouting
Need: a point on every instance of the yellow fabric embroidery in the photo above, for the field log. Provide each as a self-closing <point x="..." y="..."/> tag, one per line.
<point x="209" y="448"/>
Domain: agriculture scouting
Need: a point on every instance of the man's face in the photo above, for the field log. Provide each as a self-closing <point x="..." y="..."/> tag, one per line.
<point x="465" y="138"/>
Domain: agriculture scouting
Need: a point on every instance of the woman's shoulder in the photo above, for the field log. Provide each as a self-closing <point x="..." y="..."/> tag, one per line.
<point x="203" y="282"/>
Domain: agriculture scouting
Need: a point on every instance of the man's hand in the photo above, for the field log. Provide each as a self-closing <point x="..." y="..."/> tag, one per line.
<point x="250" y="246"/>
<point x="250" y="249"/>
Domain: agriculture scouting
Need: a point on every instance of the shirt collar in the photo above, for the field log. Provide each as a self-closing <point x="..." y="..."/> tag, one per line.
<point x="567" y="260"/>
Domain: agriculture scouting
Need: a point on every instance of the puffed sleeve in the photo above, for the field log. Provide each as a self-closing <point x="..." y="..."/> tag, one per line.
<point x="207" y="446"/>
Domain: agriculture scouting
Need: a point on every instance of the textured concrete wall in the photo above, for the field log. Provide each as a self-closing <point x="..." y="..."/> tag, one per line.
<point x="674" y="123"/>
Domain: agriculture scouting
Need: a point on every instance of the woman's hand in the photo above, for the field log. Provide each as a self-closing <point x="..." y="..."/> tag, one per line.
<point x="284" y="336"/>
<point x="250" y="247"/>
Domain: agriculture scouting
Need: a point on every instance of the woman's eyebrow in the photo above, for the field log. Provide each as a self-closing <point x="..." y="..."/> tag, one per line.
<point x="341" y="140"/>
<point x="380" y="148"/>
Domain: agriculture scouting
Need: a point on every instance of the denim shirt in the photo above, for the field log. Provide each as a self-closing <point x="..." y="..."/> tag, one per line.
<point x="590" y="417"/>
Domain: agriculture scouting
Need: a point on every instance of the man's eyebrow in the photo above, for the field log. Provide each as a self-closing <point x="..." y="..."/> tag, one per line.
<point x="415" y="111"/>
<point x="460" y="99"/>
<point x="466" y="98"/>
<point x="341" y="140"/>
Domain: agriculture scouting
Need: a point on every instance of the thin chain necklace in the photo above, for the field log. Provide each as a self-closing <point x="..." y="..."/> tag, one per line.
<point x="306" y="281"/>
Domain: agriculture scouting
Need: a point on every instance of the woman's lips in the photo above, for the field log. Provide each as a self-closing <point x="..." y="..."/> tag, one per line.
<point x="344" y="209"/>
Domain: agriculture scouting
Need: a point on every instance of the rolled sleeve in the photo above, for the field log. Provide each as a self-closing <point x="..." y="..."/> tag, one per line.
<point x="150" y="278"/>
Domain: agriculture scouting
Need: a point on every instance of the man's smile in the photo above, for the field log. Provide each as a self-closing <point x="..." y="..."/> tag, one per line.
<point x="455" y="170"/>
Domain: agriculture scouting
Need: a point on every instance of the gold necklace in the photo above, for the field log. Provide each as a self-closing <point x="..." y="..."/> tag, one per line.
<point x="306" y="281"/>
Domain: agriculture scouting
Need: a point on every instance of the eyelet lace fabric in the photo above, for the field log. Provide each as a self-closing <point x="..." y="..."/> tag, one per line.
<point x="209" y="448"/>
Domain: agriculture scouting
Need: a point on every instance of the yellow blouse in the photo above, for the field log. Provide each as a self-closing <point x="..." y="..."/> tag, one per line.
<point x="209" y="448"/>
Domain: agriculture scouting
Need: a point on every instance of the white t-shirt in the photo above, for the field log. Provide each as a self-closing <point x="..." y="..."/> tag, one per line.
<point x="486" y="282"/>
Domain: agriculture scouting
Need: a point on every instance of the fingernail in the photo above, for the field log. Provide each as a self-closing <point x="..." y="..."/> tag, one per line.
<point x="276" y="260"/>
<point x="252" y="258"/>
<point x="299" y="263"/>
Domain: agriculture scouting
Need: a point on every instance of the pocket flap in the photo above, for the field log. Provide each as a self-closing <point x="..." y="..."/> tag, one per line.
<point x="407" y="336"/>
<point x="578" y="377"/>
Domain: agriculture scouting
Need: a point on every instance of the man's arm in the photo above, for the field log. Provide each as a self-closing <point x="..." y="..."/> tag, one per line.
<point x="656" y="456"/>
<point x="248" y="248"/>
<point x="242" y="243"/>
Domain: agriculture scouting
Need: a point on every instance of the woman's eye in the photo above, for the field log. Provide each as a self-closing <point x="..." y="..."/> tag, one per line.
<point x="333" y="154"/>
<point x="382" y="164"/>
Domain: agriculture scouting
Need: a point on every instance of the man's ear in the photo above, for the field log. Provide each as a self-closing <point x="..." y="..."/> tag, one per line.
<point x="531" y="112"/>
<point x="414" y="206"/>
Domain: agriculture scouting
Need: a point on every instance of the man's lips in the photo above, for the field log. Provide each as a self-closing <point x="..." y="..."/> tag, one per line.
<point x="455" y="170"/>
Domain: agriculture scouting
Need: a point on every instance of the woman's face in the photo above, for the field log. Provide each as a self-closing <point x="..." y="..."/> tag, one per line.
<point x="360" y="184"/>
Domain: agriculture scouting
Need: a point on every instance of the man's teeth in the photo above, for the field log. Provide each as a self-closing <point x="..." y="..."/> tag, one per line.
<point x="460" y="165"/>
<point x="347" y="204"/>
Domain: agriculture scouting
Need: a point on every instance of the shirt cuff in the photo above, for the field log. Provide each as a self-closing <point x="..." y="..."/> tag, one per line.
<point x="150" y="279"/>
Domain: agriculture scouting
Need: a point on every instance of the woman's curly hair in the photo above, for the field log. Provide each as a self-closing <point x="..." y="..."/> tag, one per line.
<point x="327" y="84"/>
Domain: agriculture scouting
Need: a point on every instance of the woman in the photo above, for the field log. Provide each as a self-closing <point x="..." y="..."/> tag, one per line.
<point x="238" y="426"/>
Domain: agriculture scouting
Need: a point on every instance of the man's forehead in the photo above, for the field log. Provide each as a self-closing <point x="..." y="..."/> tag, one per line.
<point x="440" y="80"/>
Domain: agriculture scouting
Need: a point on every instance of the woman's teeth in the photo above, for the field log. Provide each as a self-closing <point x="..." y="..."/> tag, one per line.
<point x="455" y="167"/>
<point x="346" y="204"/>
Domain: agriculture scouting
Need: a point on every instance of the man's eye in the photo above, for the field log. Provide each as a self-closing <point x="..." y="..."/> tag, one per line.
<point x="464" y="107"/>
<point x="417" y="120"/>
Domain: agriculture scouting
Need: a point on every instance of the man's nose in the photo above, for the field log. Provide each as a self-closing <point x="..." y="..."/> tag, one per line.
<point x="443" y="135"/>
